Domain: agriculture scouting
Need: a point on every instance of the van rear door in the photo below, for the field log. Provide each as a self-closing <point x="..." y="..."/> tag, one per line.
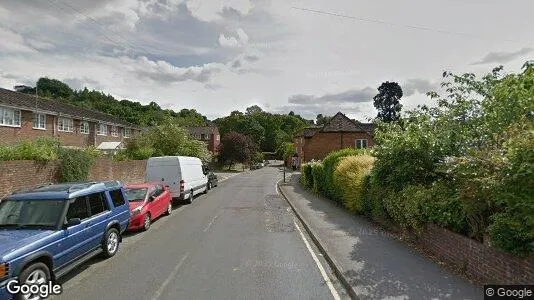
<point x="169" y="174"/>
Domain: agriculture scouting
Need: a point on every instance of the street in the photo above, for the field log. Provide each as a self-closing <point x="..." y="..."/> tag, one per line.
<point x="240" y="241"/>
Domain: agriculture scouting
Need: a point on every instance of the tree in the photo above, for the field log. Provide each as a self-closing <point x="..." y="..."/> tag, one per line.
<point x="253" y="110"/>
<point x="236" y="148"/>
<point x="387" y="101"/>
<point x="166" y="140"/>
<point x="291" y="113"/>
<point x="53" y="88"/>
<point x="322" y="120"/>
<point x="24" y="89"/>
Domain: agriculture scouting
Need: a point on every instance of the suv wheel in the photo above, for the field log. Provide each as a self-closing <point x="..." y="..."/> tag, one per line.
<point x="147" y="222"/>
<point x="35" y="274"/>
<point x="111" y="242"/>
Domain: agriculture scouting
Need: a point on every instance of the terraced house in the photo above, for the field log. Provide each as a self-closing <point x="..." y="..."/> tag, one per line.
<point x="341" y="132"/>
<point x="27" y="117"/>
<point x="207" y="134"/>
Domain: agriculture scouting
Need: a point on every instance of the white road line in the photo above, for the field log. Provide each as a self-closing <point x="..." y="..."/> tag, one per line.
<point x="317" y="262"/>
<point x="171" y="276"/>
<point x="211" y="223"/>
<point x="319" y="265"/>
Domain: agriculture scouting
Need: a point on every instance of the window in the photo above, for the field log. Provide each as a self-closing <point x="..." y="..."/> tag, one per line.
<point x="78" y="209"/>
<point x="127" y="132"/>
<point x="97" y="203"/>
<point x="65" y="124"/>
<point x="202" y="136"/>
<point x="114" y="131"/>
<point x="361" y="144"/>
<point x="84" y="127"/>
<point x="117" y="198"/>
<point x="39" y="121"/>
<point x="102" y="129"/>
<point x="9" y="117"/>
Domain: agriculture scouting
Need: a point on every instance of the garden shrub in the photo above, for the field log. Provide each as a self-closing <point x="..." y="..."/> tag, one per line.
<point x="307" y="177"/>
<point x="318" y="177"/>
<point x="406" y="207"/>
<point x="330" y="190"/>
<point x="349" y="177"/>
<point x="373" y="197"/>
<point x="75" y="164"/>
<point x="41" y="149"/>
<point x="445" y="208"/>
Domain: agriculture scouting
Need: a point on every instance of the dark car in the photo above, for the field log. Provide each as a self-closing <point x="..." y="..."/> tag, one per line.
<point x="47" y="231"/>
<point x="213" y="181"/>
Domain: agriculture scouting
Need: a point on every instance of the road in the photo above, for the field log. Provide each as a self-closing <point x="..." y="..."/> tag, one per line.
<point x="240" y="241"/>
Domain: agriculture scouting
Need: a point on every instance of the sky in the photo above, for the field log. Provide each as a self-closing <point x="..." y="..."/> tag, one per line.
<point x="311" y="57"/>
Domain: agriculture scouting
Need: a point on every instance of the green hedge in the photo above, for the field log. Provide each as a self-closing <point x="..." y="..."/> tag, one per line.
<point x="318" y="178"/>
<point x="349" y="176"/>
<point x="330" y="190"/>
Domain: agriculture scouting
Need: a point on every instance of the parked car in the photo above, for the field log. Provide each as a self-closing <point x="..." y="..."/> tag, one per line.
<point x="148" y="201"/>
<point x="183" y="174"/>
<point x="48" y="231"/>
<point x="213" y="181"/>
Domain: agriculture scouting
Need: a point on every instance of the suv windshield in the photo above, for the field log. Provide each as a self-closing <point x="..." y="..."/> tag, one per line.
<point x="135" y="195"/>
<point x="31" y="213"/>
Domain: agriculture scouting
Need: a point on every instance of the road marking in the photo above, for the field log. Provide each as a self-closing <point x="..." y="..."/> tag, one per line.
<point x="317" y="262"/>
<point x="319" y="265"/>
<point x="211" y="223"/>
<point x="171" y="276"/>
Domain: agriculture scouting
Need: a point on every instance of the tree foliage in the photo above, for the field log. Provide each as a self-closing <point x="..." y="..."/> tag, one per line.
<point x="165" y="140"/>
<point x="237" y="148"/>
<point x="268" y="131"/>
<point x="387" y="101"/>
<point x="134" y="112"/>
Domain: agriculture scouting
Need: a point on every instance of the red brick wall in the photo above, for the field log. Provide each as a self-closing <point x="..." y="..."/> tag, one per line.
<point x="20" y="174"/>
<point x="488" y="265"/>
<point x="322" y="143"/>
<point x="12" y="135"/>
<point x="125" y="171"/>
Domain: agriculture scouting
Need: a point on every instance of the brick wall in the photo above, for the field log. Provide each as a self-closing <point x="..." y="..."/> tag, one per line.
<point x="322" y="143"/>
<point x="125" y="171"/>
<point x="20" y="174"/>
<point x="486" y="264"/>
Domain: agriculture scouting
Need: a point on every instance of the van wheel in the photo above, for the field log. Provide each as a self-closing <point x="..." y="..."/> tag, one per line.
<point x="35" y="274"/>
<point x="189" y="199"/>
<point x="208" y="187"/>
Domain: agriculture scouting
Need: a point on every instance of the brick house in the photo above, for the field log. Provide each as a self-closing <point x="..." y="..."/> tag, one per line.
<point x="27" y="117"/>
<point x="341" y="132"/>
<point x="208" y="134"/>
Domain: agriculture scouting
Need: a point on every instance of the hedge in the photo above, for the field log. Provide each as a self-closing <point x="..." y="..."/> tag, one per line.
<point x="349" y="176"/>
<point x="330" y="190"/>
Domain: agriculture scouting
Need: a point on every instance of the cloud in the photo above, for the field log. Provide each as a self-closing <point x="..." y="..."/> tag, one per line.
<point x="503" y="57"/>
<point x="417" y="85"/>
<point x="164" y="72"/>
<point x="240" y="39"/>
<point x="81" y="83"/>
<point x="352" y="96"/>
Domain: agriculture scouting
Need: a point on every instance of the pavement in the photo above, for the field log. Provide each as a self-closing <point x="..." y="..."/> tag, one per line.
<point x="371" y="263"/>
<point x="239" y="241"/>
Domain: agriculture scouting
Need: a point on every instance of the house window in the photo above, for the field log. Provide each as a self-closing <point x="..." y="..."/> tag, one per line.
<point x="361" y="144"/>
<point x="127" y="132"/>
<point x="202" y="136"/>
<point x="114" y="131"/>
<point x="39" y="121"/>
<point x="84" y="127"/>
<point x="65" y="124"/>
<point x="102" y="129"/>
<point x="9" y="117"/>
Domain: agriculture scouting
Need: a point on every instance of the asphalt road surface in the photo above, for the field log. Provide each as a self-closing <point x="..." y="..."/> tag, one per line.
<point x="240" y="241"/>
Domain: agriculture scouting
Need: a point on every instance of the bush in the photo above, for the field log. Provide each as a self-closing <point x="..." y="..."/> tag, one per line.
<point x="317" y="171"/>
<point x="513" y="233"/>
<point x="41" y="149"/>
<point x="445" y="208"/>
<point x="330" y="190"/>
<point x="306" y="174"/>
<point x="373" y="197"/>
<point x="75" y="164"/>
<point x="349" y="177"/>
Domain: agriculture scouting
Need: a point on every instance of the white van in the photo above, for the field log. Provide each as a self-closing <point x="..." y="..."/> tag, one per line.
<point x="184" y="175"/>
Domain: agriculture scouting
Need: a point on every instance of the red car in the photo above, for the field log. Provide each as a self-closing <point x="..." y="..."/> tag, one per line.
<point x="148" y="201"/>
